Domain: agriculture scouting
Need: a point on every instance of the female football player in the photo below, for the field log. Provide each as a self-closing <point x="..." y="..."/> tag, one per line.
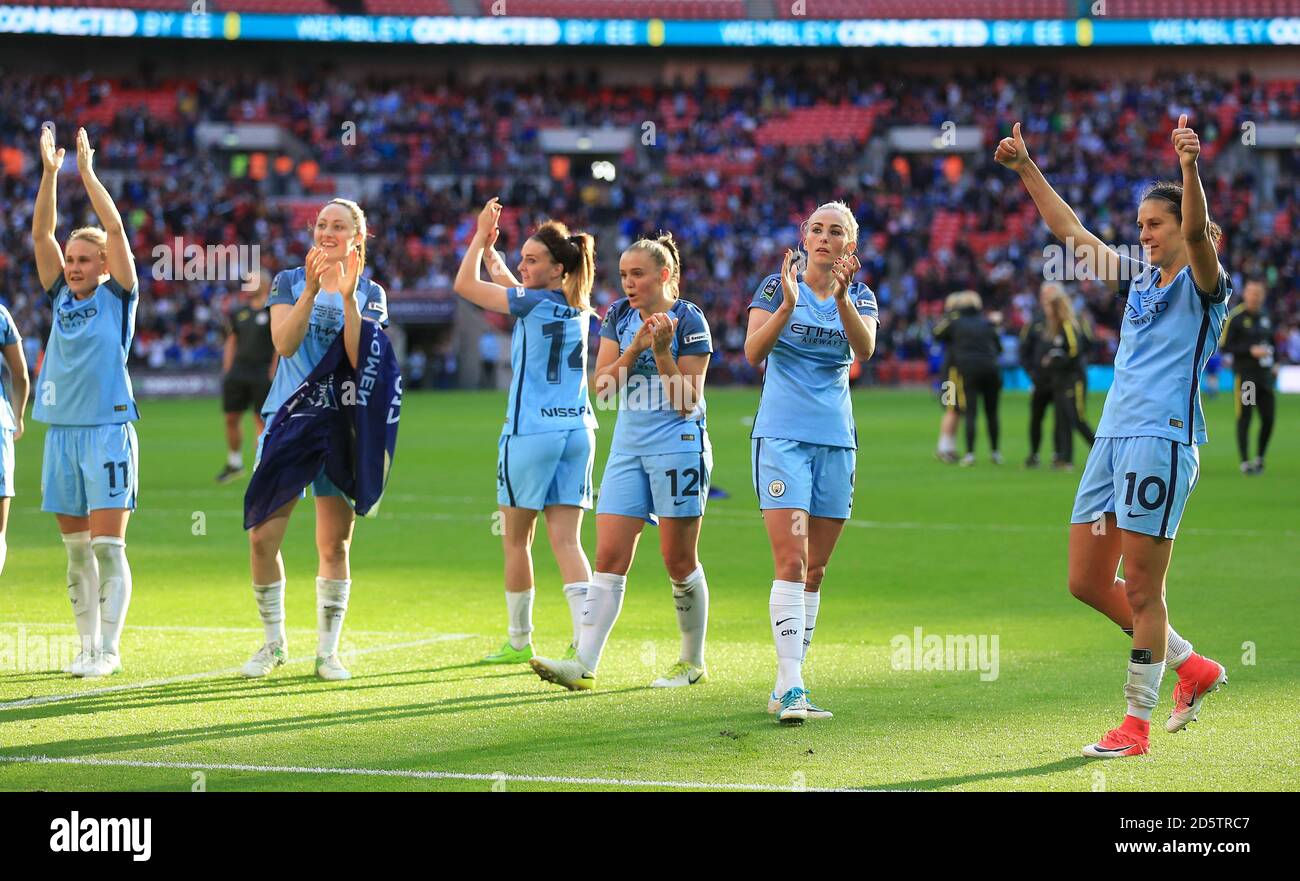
<point x="310" y="306"/>
<point x="548" y="444"/>
<point x="1062" y="364"/>
<point x="654" y="350"/>
<point x="809" y="327"/>
<point x="89" y="475"/>
<point x="950" y="396"/>
<point x="1144" y="463"/>
<point x="11" y="419"/>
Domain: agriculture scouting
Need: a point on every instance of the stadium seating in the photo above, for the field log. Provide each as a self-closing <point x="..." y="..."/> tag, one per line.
<point x="733" y="173"/>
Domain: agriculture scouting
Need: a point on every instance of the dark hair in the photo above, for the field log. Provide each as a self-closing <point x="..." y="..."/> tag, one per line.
<point x="1172" y="193"/>
<point x="576" y="254"/>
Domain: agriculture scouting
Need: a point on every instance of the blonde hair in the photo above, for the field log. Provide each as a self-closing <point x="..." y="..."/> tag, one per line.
<point x="358" y="219"/>
<point x="1060" y="311"/>
<point x="849" y="221"/>
<point x="576" y="254"/>
<point x="93" y="234"/>
<point x="966" y="300"/>
<point x="663" y="251"/>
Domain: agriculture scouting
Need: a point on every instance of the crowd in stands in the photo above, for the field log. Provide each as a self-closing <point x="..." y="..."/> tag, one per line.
<point x="730" y="171"/>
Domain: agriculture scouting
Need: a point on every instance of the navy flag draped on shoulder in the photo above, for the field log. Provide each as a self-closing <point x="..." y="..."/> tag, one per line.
<point x="339" y="420"/>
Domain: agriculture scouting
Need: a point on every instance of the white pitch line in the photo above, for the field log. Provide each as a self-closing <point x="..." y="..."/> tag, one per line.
<point x="179" y="628"/>
<point x="413" y="775"/>
<point x="212" y="674"/>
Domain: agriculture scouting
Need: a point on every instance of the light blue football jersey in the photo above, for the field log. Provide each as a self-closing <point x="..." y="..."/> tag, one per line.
<point x="8" y="336"/>
<point x="83" y="379"/>
<point x="548" y="354"/>
<point x="325" y="324"/>
<point x="648" y="425"/>
<point x="1166" y="338"/>
<point x="805" y="394"/>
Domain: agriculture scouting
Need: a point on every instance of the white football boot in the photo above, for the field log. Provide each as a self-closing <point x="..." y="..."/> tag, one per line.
<point x="264" y="660"/>
<point x="331" y="669"/>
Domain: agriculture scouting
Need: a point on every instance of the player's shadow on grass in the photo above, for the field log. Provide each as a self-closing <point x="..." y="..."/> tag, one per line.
<point x="942" y="782"/>
<point x="225" y="688"/>
<point x="313" y="722"/>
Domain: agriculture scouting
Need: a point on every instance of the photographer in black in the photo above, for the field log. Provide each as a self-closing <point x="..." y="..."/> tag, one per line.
<point x="1248" y="337"/>
<point x="1053" y="349"/>
<point x="973" y="348"/>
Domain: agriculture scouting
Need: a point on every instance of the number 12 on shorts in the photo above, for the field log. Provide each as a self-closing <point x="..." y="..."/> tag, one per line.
<point x="692" y="488"/>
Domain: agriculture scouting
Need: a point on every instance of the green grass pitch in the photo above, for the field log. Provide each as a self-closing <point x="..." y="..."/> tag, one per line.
<point x="978" y="551"/>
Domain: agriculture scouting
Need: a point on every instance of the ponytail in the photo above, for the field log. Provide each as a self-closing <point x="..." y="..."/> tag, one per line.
<point x="576" y="254"/>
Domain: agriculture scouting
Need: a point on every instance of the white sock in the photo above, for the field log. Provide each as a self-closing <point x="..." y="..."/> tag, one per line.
<point x="519" y="609"/>
<point x="83" y="588"/>
<point x="114" y="589"/>
<point x="691" y="598"/>
<point x="786" y="608"/>
<point x="812" y="600"/>
<point x="1177" y="650"/>
<point x="270" y="606"/>
<point x="576" y="594"/>
<point x="331" y="607"/>
<point x="604" y="602"/>
<point x="235" y="459"/>
<point x="1142" y="690"/>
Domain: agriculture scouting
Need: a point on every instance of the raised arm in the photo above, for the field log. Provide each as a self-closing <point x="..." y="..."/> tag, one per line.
<point x="121" y="262"/>
<point x="1201" y="252"/>
<point x="1060" y="218"/>
<point x="351" y="312"/>
<point x="495" y="264"/>
<point x="765" y="327"/>
<point x="49" y="257"/>
<point x="484" y="294"/>
<point x="860" y="329"/>
<point x="289" y="321"/>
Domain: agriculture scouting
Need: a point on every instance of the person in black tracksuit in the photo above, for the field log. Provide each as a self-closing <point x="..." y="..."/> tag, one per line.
<point x="973" y="348"/>
<point x="248" y="363"/>
<point x="1040" y="394"/>
<point x="1248" y="337"/>
<point x="1053" y="350"/>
